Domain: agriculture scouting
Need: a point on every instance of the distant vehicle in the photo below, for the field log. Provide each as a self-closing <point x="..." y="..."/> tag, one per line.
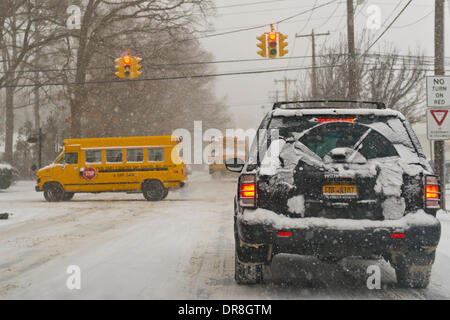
<point x="224" y="148"/>
<point x="336" y="181"/>
<point x="6" y="175"/>
<point x="148" y="164"/>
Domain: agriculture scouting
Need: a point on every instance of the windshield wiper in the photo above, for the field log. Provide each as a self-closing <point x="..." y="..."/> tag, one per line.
<point x="358" y="145"/>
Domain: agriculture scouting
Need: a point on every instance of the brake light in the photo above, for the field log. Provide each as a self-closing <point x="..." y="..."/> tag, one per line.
<point x="397" y="235"/>
<point x="432" y="193"/>
<point x="284" y="234"/>
<point x="332" y="120"/>
<point x="247" y="190"/>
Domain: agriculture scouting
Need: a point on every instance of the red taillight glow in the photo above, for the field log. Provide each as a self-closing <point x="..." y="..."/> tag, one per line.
<point x="332" y="120"/>
<point x="284" y="234"/>
<point x="432" y="192"/>
<point x="248" y="190"/>
<point x="397" y="235"/>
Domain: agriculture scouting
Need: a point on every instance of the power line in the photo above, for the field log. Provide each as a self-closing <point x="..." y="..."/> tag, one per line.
<point x="387" y="28"/>
<point x="246" y="4"/>
<point x="189" y="77"/>
<point x="431" y="58"/>
<point x="260" y="26"/>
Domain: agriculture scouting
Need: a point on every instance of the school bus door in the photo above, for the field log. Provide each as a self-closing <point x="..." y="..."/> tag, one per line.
<point x="67" y="172"/>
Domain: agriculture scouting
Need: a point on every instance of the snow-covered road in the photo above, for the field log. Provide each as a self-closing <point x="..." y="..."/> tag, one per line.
<point x="180" y="248"/>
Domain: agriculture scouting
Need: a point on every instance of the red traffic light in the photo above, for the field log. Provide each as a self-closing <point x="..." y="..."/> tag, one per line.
<point x="126" y="60"/>
<point x="272" y="36"/>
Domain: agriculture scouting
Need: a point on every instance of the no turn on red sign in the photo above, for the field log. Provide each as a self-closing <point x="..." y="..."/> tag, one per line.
<point x="438" y="123"/>
<point x="438" y="91"/>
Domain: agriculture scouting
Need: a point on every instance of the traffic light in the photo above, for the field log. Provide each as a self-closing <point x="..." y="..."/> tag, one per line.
<point x="136" y="66"/>
<point x="272" y="42"/>
<point x="127" y="60"/>
<point x="282" y="44"/>
<point x="262" y="45"/>
<point x="120" y="68"/>
<point x="128" y="67"/>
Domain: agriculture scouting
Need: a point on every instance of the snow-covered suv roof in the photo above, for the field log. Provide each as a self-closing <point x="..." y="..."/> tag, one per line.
<point x="337" y="111"/>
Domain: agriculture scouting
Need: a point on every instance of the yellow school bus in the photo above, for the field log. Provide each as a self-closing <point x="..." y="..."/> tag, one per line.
<point x="223" y="148"/>
<point x="151" y="165"/>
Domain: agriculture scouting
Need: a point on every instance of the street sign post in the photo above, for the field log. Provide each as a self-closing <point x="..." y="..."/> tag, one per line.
<point x="438" y="91"/>
<point x="438" y="123"/>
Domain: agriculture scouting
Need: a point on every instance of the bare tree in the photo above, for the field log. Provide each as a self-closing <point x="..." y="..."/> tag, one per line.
<point x="397" y="80"/>
<point x="20" y="37"/>
<point x="107" y="23"/>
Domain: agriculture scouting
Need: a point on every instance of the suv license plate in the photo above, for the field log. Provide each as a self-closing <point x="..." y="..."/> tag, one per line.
<point x="340" y="191"/>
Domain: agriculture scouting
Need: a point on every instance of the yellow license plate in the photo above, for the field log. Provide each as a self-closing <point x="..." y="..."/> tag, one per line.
<point x="340" y="190"/>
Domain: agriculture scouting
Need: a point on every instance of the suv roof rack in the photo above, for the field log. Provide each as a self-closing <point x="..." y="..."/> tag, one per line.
<point x="277" y="105"/>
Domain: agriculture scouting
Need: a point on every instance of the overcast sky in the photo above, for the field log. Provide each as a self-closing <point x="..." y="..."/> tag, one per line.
<point x="246" y="94"/>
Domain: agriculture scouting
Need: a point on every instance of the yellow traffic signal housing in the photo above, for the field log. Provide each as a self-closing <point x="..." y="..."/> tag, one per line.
<point x="128" y="67"/>
<point x="120" y="68"/>
<point x="262" y="45"/>
<point x="135" y="67"/>
<point x="272" y="44"/>
<point x="282" y="44"/>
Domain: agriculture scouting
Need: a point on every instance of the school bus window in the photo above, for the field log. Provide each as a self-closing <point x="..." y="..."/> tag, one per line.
<point x="69" y="158"/>
<point x="114" y="155"/>
<point x="93" y="156"/>
<point x="135" y="155"/>
<point x="155" y="154"/>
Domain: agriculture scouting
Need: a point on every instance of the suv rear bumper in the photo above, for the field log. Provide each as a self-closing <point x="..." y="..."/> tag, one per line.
<point x="338" y="237"/>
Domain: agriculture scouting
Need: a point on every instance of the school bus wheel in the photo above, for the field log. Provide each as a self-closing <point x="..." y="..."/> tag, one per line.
<point x="68" y="196"/>
<point x="153" y="190"/>
<point x="53" y="192"/>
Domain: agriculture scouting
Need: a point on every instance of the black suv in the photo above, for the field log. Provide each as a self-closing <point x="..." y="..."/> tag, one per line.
<point x="334" y="179"/>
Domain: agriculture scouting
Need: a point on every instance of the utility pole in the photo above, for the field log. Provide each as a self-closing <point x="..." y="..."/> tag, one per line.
<point x="36" y="107"/>
<point x="314" y="67"/>
<point x="353" y="87"/>
<point x="37" y="118"/>
<point x="286" y="81"/>
<point x="439" y="70"/>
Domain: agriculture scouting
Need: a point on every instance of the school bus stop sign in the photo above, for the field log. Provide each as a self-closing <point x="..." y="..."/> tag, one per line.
<point x="438" y="123"/>
<point x="89" y="173"/>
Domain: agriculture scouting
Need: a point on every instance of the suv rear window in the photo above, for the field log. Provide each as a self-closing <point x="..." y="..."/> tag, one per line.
<point x="324" y="138"/>
<point x="395" y="130"/>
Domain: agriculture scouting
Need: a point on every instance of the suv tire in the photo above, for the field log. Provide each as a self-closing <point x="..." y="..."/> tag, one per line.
<point x="247" y="273"/>
<point x="412" y="275"/>
<point x="53" y="192"/>
<point x="153" y="190"/>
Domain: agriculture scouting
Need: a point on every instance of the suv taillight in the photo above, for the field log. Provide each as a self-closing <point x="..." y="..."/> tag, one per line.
<point x="432" y="193"/>
<point x="247" y="190"/>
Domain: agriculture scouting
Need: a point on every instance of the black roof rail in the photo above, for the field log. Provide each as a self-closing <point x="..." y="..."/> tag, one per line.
<point x="277" y="105"/>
